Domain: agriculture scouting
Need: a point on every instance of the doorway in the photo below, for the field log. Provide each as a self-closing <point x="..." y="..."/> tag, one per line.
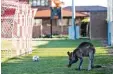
<point x="84" y="29"/>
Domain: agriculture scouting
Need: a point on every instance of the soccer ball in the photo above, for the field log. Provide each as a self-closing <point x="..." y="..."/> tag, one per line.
<point x="35" y="58"/>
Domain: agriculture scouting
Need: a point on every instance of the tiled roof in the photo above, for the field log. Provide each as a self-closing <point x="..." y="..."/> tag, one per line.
<point x="88" y="8"/>
<point x="66" y="13"/>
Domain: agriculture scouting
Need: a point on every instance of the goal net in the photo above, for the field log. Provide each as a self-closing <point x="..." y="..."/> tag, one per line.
<point x="16" y="27"/>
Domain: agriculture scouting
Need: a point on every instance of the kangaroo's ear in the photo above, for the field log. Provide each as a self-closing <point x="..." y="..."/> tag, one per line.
<point x="68" y="53"/>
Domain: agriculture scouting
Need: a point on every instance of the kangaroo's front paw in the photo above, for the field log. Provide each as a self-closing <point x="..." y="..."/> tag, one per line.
<point x="77" y="69"/>
<point x="80" y="68"/>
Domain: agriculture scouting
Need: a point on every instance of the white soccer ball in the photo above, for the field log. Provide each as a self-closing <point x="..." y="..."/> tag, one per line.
<point x="35" y="58"/>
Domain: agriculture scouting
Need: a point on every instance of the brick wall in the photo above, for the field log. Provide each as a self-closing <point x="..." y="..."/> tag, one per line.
<point x="98" y="25"/>
<point x="56" y="29"/>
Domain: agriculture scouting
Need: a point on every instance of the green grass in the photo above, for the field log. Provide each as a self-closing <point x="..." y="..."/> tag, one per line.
<point x="53" y="59"/>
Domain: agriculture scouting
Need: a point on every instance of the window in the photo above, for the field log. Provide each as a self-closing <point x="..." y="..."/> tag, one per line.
<point x="34" y="3"/>
<point x="46" y="2"/>
<point x="40" y="3"/>
<point x="38" y="22"/>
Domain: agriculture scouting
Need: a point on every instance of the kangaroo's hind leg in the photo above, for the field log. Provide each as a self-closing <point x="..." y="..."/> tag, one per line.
<point x="92" y="61"/>
<point x="91" y="56"/>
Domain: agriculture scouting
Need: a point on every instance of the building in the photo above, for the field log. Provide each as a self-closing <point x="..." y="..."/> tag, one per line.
<point x="94" y="28"/>
<point x="43" y="22"/>
<point x="97" y="21"/>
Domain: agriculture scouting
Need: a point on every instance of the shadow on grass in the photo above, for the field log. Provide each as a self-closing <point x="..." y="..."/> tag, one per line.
<point x="55" y="65"/>
<point x="64" y="43"/>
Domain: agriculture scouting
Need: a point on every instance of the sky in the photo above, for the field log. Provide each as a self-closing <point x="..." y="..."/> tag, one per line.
<point x="86" y="2"/>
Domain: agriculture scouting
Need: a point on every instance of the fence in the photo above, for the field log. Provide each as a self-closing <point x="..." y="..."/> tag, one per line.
<point x="17" y="23"/>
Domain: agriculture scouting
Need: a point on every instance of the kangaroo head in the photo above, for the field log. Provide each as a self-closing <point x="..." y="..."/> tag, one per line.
<point x="72" y="58"/>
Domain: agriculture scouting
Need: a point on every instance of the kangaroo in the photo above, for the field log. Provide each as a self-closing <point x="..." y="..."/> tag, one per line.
<point x="85" y="49"/>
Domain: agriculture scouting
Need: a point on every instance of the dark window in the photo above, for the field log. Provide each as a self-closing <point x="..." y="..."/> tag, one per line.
<point x="40" y="3"/>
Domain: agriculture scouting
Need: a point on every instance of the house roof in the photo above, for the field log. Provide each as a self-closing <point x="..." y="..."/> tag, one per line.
<point x="88" y="8"/>
<point x="8" y="12"/>
<point x="66" y="13"/>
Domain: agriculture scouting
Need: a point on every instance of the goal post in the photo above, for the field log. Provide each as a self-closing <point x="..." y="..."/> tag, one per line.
<point x="21" y="25"/>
